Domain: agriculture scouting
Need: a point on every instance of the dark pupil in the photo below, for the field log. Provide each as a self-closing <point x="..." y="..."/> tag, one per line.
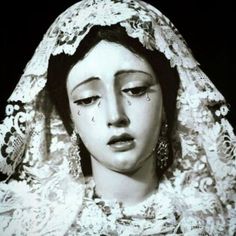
<point x="137" y="90"/>
<point x="87" y="100"/>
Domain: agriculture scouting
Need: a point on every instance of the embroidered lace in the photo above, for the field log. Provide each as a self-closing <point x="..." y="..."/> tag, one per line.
<point x="197" y="195"/>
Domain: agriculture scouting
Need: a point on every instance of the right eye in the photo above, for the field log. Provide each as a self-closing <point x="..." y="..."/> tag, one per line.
<point x="86" y="101"/>
<point x="136" y="91"/>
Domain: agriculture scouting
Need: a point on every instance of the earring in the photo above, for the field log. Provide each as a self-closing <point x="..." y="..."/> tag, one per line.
<point x="74" y="157"/>
<point x="162" y="148"/>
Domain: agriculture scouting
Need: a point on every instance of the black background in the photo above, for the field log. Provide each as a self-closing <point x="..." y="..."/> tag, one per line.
<point x="208" y="30"/>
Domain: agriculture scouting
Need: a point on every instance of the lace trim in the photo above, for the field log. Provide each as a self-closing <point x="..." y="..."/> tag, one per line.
<point x="103" y="217"/>
<point x="164" y="212"/>
<point x="39" y="209"/>
<point x="12" y="133"/>
<point x="203" y="173"/>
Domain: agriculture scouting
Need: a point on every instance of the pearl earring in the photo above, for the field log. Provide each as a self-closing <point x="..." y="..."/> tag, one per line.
<point x="74" y="158"/>
<point x="162" y="149"/>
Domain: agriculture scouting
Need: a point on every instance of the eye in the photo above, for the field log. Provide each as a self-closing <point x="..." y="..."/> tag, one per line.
<point x="87" y="101"/>
<point x="136" y="91"/>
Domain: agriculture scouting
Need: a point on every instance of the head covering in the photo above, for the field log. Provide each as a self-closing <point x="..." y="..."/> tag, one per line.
<point x="44" y="199"/>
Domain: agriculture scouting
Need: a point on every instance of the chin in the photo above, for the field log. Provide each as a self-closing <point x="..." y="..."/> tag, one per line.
<point x="125" y="165"/>
<point x="125" y="171"/>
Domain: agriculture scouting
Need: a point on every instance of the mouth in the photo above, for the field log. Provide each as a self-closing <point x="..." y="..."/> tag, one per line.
<point x="122" y="142"/>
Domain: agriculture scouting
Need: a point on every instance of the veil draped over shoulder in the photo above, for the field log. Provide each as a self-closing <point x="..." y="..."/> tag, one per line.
<point x="39" y="197"/>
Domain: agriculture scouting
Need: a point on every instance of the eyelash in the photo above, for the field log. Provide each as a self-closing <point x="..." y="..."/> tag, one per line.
<point x="87" y="101"/>
<point x="134" y="92"/>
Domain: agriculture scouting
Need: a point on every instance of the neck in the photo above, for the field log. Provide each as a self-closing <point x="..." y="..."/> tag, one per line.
<point x="130" y="189"/>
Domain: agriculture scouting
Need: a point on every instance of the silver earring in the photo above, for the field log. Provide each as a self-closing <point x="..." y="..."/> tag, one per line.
<point x="74" y="157"/>
<point x="162" y="149"/>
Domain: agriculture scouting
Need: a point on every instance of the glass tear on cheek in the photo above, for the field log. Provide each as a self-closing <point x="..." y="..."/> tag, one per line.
<point x="129" y="103"/>
<point x="79" y="113"/>
<point x="147" y="97"/>
<point x="99" y="103"/>
<point x="93" y="119"/>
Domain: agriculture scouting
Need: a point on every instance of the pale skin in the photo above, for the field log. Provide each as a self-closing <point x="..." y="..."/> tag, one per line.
<point x="117" y="109"/>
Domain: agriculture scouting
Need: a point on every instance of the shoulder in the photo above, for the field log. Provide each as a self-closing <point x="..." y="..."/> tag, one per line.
<point x="39" y="209"/>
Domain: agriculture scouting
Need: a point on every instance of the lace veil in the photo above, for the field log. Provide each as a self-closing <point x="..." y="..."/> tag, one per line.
<point x="40" y="198"/>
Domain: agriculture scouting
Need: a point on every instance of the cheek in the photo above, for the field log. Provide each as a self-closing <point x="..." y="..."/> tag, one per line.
<point x="146" y="114"/>
<point x="87" y="122"/>
<point x="146" y="120"/>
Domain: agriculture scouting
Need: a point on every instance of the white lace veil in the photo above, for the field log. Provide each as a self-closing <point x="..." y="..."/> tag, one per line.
<point x="44" y="199"/>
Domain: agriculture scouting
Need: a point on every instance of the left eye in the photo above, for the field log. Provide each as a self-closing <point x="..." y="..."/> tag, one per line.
<point x="87" y="101"/>
<point x="136" y="91"/>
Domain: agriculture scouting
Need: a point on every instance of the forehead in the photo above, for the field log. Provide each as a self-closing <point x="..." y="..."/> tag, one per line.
<point x="104" y="61"/>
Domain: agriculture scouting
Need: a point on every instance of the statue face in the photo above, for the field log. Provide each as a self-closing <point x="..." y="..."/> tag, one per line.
<point x="116" y="106"/>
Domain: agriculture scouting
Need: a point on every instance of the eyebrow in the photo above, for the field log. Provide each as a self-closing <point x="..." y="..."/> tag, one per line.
<point x="85" y="82"/>
<point x="120" y="72"/>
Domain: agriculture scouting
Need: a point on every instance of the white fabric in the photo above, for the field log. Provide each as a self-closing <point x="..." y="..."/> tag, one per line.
<point x="45" y="200"/>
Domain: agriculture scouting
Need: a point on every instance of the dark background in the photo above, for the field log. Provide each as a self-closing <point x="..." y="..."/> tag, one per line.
<point x="207" y="29"/>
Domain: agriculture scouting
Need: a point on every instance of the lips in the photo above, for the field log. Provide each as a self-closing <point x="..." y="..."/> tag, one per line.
<point x="122" y="142"/>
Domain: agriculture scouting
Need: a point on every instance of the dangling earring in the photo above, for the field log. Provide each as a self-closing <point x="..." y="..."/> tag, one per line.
<point x="74" y="157"/>
<point x="162" y="148"/>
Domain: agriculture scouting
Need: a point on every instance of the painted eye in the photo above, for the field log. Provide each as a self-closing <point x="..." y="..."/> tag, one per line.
<point x="87" y="101"/>
<point x="136" y="91"/>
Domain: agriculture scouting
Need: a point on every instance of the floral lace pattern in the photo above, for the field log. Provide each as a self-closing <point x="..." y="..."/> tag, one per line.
<point x="38" y="212"/>
<point x="201" y="182"/>
<point x="165" y="212"/>
<point x="104" y="217"/>
<point x="13" y="130"/>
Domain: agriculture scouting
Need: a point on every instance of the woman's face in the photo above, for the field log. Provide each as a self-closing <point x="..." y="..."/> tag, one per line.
<point x="116" y="106"/>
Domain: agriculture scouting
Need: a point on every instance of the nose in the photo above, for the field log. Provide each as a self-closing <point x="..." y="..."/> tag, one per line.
<point x="116" y="116"/>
